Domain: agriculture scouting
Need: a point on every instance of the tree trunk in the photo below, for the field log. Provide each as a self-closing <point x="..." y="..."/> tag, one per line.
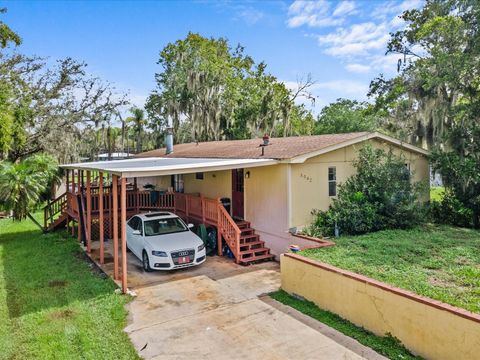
<point x="139" y="141"/>
<point x="476" y="219"/>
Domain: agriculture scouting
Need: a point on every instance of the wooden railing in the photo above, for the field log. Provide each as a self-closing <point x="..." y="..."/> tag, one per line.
<point x="54" y="208"/>
<point x="209" y="211"/>
<point x="229" y="230"/>
<point x="191" y="207"/>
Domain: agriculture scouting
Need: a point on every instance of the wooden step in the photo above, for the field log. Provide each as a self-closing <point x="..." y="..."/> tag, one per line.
<point x="242" y="224"/>
<point x="251" y="245"/>
<point x="244" y="239"/>
<point x="58" y="222"/>
<point x="253" y="259"/>
<point x="254" y="252"/>
<point x="245" y="231"/>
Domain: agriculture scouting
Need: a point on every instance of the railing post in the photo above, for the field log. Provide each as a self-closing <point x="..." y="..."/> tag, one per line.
<point x="202" y="205"/>
<point x="100" y="216"/>
<point x="219" y="232"/>
<point x="115" y="225"/>
<point x="237" y="246"/>
<point x="187" y="205"/>
<point x="89" y="212"/>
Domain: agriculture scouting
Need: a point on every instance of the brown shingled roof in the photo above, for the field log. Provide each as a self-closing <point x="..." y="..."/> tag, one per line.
<point x="279" y="148"/>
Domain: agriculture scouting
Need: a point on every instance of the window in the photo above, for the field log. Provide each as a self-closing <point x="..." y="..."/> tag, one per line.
<point x="199" y="176"/>
<point x="164" y="226"/>
<point x="133" y="222"/>
<point x="136" y="224"/>
<point x="332" y="181"/>
<point x="177" y="183"/>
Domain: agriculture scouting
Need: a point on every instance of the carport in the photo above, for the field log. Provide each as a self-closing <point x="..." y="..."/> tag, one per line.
<point x="85" y="200"/>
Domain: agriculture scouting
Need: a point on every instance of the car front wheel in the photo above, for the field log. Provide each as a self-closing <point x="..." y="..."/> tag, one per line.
<point x="146" y="262"/>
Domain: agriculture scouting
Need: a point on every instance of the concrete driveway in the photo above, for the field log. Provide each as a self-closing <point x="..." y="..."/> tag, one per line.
<point x="223" y="317"/>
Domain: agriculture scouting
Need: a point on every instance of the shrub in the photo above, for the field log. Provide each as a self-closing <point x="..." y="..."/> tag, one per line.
<point x="451" y="211"/>
<point x="379" y="196"/>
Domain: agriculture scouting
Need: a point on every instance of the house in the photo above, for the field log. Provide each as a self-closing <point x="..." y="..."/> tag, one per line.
<point x="278" y="196"/>
<point x="272" y="186"/>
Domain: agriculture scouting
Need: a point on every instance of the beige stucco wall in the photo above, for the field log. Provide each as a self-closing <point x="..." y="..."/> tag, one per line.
<point x="279" y="197"/>
<point x="310" y="179"/>
<point x="424" y="329"/>
<point x="214" y="185"/>
<point x="161" y="182"/>
<point x="266" y="205"/>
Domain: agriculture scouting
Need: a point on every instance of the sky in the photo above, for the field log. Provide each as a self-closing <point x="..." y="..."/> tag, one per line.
<point x="340" y="43"/>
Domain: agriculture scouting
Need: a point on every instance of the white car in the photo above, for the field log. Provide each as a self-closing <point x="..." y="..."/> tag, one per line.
<point x="164" y="242"/>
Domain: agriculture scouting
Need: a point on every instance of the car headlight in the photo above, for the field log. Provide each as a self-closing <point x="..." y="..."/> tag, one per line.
<point x="159" y="253"/>
<point x="201" y="247"/>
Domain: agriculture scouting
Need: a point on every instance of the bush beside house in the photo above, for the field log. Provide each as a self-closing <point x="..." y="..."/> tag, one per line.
<point x="379" y="196"/>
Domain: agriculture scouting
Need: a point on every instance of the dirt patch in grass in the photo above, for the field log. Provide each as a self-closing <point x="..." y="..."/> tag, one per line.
<point x="57" y="283"/>
<point x="61" y="314"/>
<point x="439" y="282"/>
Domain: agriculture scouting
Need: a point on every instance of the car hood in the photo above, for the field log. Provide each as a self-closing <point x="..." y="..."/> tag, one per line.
<point x="173" y="242"/>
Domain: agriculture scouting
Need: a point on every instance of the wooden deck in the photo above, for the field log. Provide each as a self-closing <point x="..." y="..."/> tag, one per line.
<point x="240" y="238"/>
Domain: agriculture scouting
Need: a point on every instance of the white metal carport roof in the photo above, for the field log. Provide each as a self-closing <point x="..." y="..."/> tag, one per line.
<point x="157" y="166"/>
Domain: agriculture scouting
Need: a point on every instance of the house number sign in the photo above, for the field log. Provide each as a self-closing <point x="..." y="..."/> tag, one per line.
<point x="306" y="177"/>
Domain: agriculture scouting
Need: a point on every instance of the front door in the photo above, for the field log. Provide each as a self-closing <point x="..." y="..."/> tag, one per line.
<point x="237" y="193"/>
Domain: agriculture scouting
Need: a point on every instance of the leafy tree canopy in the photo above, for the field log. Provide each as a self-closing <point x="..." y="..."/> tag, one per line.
<point x="24" y="184"/>
<point x="345" y="116"/>
<point x="220" y="92"/>
<point x="435" y="99"/>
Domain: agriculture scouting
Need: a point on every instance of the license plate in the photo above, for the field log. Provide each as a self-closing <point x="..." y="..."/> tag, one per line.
<point x="183" y="259"/>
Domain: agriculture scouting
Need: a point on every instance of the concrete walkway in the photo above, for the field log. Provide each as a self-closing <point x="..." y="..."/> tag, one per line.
<point x="202" y="318"/>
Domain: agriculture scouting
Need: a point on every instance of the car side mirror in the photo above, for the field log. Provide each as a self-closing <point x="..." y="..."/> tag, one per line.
<point x="136" y="232"/>
<point x="190" y="226"/>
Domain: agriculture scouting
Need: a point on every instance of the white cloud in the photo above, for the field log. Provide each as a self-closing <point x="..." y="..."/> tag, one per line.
<point x="312" y="14"/>
<point x="386" y="9"/>
<point x="344" y="8"/>
<point x="328" y="91"/>
<point x="358" y="68"/>
<point x="397" y="22"/>
<point x="250" y="15"/>
<point x="348" y="87"/>
<point x="138" y="100"/>
<point x="357" y="40"/>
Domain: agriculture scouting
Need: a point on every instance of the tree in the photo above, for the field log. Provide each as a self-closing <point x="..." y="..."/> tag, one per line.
<point x="219" y="91"/>
<point x="24" y="184"/>
<point x="47" y="105"/>
<point x="435" y="100"/>
<point x="438" y="74"/>
<point x="138" y="121"/>
<point x="345" y="116"/>
<point x="7" y="35"/>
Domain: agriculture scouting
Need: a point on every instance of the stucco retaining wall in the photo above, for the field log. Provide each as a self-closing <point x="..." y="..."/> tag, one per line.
<point x="429" y="328"/>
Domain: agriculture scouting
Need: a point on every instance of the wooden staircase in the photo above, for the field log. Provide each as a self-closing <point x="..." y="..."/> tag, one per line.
<point x="55" y="213"/>
<point x="252" y="249"/>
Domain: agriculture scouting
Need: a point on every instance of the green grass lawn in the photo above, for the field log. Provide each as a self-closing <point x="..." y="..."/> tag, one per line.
<point x="385" y="345"/>
<point x="439" y="262"/>
<point x="53" y="303"/>
<point x="436" y="193"/>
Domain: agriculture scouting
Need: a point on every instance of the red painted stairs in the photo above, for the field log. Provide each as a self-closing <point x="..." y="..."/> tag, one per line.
<point x="252" y="249"/>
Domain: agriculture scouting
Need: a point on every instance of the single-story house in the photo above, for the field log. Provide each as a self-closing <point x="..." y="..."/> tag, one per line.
<point x="272" y="185"/>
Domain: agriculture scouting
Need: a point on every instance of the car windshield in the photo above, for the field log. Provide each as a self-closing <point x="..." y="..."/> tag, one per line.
<point x="164" y="226"/>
